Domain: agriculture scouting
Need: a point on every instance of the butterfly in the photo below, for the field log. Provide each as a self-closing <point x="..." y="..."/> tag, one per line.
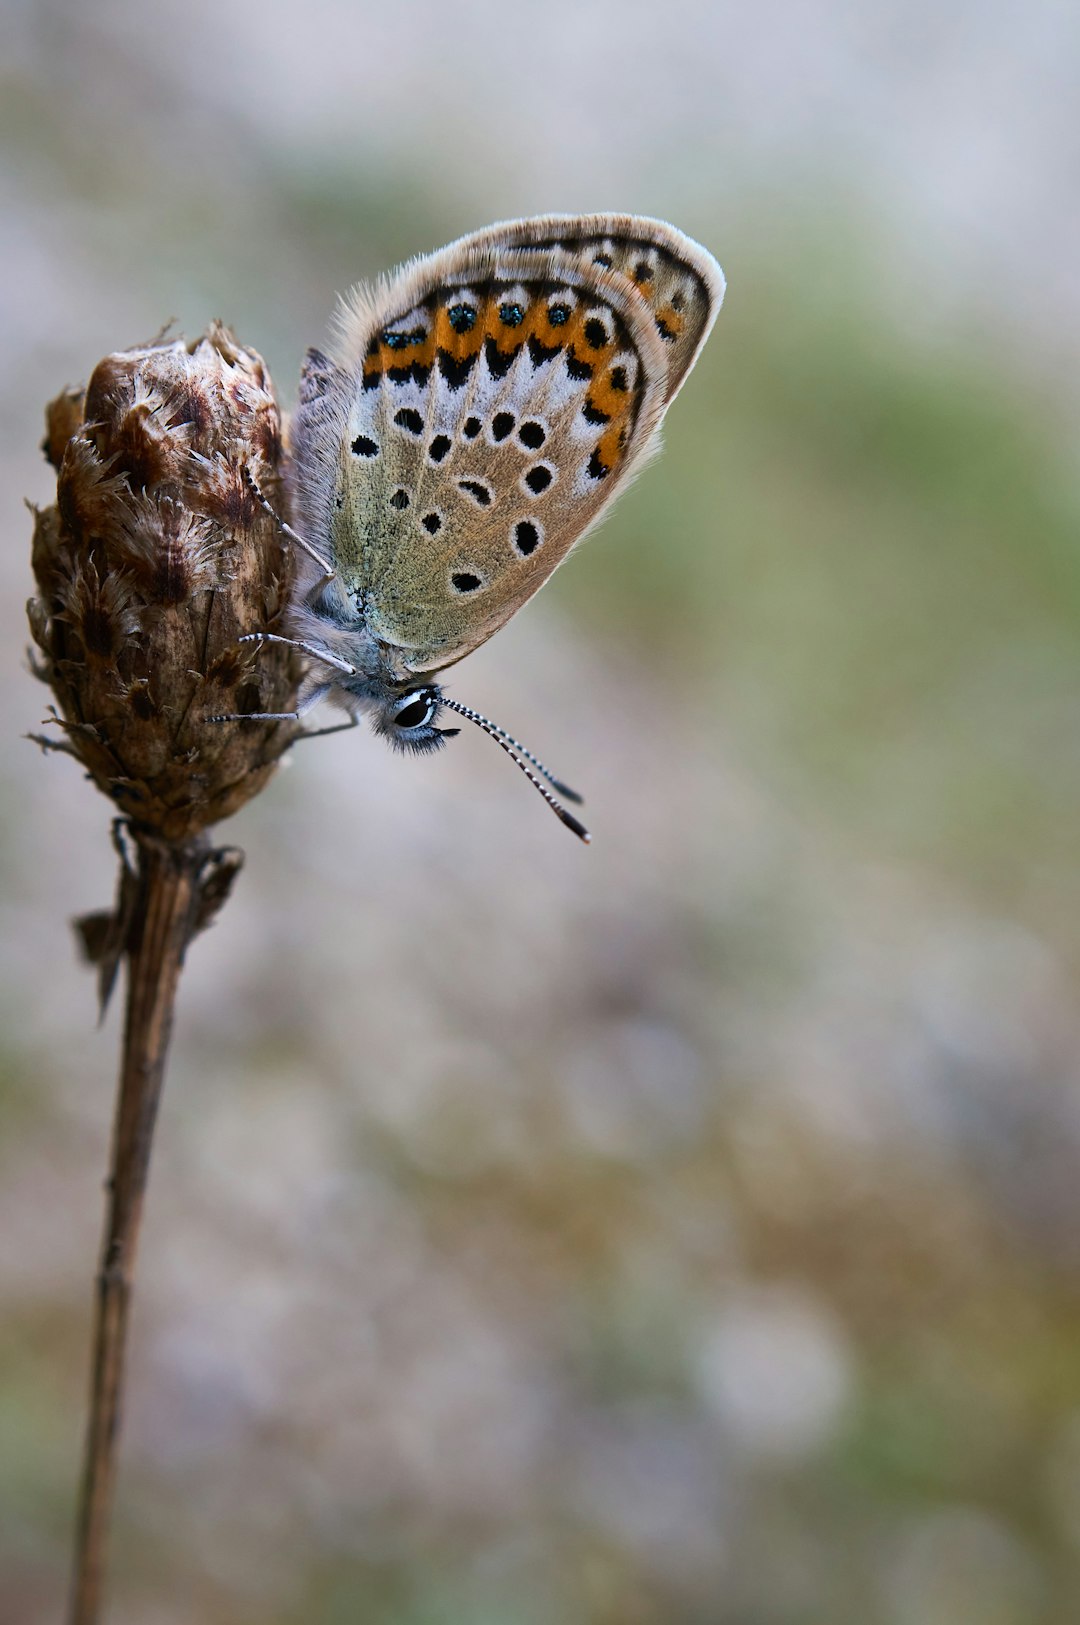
<point x="483" y="407"/>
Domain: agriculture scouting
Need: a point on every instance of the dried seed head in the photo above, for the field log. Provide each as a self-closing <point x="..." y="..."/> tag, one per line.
<point x="154" y="561"/>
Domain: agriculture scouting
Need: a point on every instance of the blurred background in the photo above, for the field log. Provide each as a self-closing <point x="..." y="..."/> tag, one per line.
<point x="683" y="1231"/>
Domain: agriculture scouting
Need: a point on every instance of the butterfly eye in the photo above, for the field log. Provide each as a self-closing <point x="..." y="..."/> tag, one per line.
<point x="416" y="711"/>
<point x="407" y="721"/>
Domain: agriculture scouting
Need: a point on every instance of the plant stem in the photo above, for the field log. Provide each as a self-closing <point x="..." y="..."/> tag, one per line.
<point x="163" y="920"/>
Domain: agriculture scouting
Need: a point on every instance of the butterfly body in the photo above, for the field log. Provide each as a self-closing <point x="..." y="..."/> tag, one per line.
<point x="482" y="408"/>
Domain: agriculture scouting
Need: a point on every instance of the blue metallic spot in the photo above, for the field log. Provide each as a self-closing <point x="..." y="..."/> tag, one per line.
<point x="401" y="341"/>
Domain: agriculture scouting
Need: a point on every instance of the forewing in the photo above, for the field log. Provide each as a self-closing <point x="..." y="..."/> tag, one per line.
<point x="486" y="406"/>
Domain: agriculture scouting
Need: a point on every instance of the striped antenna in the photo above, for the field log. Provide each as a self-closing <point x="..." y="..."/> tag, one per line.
<point x="523" y="757"/>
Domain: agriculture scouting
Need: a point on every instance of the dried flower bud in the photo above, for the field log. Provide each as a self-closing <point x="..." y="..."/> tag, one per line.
<point x="155" y="560"/>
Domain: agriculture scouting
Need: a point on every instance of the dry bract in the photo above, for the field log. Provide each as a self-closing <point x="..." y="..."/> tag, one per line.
<point x="154" y="561"/>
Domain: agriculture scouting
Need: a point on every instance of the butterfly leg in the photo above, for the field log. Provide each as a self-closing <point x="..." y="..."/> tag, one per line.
<point x="306" y="703"/>
<point x="309" y="648"/>
<point x="311" y="698"/>
<point x="329" y="573"/>
<point x="321" y="733"/>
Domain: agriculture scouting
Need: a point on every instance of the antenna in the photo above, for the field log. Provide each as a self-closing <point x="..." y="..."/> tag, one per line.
<point x="522" y="757"/>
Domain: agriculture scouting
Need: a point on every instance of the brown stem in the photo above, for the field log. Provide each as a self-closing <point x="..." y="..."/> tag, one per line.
<point x="163" y="921"/>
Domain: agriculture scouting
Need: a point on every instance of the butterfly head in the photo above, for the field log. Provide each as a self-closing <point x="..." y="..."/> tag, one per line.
<point x="408" y="721"/>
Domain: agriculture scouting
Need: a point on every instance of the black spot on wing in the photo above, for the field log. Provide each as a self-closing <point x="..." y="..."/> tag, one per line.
<point x="414" y="372"/>
<point x="409" y="418"/>
<point x="477" y="490"/>
<point x="501" y="425"/>
<point x="439" y="448"/>
<point x="539" y="478"/>
<point x="455" y="372"/>
<point x="364" y="446"/>
<point x="531" y="435"/>
<point x="499" y="361"/>
<point x="540" y="353"/>
<point x="526" y="537"/>
<point x="465" y="581"/>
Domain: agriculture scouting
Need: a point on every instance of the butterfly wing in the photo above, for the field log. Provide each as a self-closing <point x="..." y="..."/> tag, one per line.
<point x="487" y="404"/>
<point x="678" y="279"/>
